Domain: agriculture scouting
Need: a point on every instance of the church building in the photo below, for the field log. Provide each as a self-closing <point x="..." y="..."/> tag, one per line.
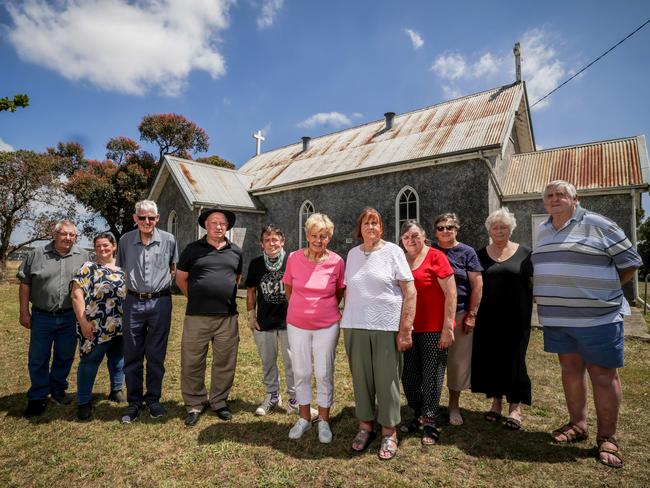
<point x="470" y="156"/>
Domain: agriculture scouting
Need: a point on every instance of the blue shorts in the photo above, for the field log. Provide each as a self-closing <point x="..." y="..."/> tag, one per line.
<point x="601" y="345"/>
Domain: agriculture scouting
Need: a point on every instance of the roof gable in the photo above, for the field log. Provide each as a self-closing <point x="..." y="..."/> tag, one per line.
<point x="473" y="122"/>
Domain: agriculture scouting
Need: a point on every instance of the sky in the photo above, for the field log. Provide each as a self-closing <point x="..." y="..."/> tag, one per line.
<point x="291" y="68"/>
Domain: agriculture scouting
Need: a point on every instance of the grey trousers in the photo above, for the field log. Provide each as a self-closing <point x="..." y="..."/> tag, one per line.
<point x="198" y="333"/>
<point x="376" y="368"/>
<point x="267" y="345"/>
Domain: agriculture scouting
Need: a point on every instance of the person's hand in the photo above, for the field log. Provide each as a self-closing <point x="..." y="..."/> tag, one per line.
<point x="25" y="319"/>
<point x="87" y="329"/>
<point x="469" y="322"/>
<point x="404" y="340"/>
<point x="253" y="324"/>
<point x="446" y="338"/>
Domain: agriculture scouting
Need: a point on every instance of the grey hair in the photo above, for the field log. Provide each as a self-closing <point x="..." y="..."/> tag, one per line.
<point x="564" y="185"/>
<point x="64" y="223"/>
<point x="504" y="216"/>
<point x="321" y="221"/>
<point x="146" y="206"/>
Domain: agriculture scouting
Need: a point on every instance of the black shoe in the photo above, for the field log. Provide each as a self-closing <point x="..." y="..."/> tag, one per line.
<point x="224" y="413"/>
<point x="156" y="410"/>
<point x="116" y="396"/>
<point x="85" y="411"/>
<point x="61" y="398"/>
<point x="131" y="414"/>
<point x="34" y="408"/>
<point x="192" y="418"/>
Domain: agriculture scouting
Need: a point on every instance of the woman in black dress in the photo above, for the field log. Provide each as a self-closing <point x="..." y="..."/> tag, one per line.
<point x="503" y="322"/>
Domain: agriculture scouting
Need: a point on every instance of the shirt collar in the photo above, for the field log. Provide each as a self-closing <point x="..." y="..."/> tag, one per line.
<point x="154" y="238"/>
<point x="577" y="216"/>
<point x="49" y="248"/>
<point x="204" y="242"/>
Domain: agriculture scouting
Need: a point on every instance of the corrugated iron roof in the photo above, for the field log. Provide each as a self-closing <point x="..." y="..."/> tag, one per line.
<point x="592" y="166"/>
<point x="208" y="184"/>
<point x="468" y="123"/>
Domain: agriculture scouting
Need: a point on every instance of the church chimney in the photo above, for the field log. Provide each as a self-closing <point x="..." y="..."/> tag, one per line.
<point x="390" y="116"/>
<point x="306" y="140"/>
<point x="517" y="53"/>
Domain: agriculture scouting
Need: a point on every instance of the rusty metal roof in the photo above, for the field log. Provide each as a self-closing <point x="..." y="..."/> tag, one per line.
<point x="469" y="123"/>
<point x="618" y="163"/>
<point x="207" y="184"/>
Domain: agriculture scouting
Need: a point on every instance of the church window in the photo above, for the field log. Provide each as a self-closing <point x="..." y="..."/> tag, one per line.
<point x="407" y="206"/>
<point x="306" y="209"/>
<point x="172" y="223"/>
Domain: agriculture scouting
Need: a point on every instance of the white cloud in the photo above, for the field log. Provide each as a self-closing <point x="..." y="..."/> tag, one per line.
<point x="357" y="115"/>
<point x="5" y="147"/>
<point x="542" y="69"/>
<point x="416" y="38"/>
<point x="331" y="119"/>
<point x="450" y="67"/>
<point x="266" y="130"/>
<point x="121" y="45"/>
<point x="270" y="9"/>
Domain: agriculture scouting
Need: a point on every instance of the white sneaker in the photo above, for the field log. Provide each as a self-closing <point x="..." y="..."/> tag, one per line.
<point x="299" y="428"/>
<point x="324" y="432"/>
<point x="269" y="404"/>
<point x="292" y="406"/>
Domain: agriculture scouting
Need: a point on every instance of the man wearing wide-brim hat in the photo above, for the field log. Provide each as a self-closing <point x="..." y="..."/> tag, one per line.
<point x="208" y="273"/>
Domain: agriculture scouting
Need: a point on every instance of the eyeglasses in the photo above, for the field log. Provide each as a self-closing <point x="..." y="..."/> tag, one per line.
<point x="440" y="228"/>
<point x="142" y="218"/>
<point x="219" y="224"/>
<point x="414" y="237"/>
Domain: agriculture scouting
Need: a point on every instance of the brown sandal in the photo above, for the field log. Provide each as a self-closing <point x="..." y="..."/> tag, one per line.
<point x="571" y="432"/>
<point x="388" y="448"/>
<point x="362" y="440"/>
<point x="600" y="441"/>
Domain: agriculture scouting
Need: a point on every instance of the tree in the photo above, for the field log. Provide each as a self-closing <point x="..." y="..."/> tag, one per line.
<point x="69" y="156"/>
<point x="643" y="246"/>
<point x="20" y="100"/>
<point x="173" y="134"/>
<point x="118" y="149"/>
<point x="26" y="179"/>
<point x="216" y="161"/>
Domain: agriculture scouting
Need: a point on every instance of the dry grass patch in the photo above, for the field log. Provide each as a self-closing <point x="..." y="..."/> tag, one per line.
<point x="56" y="450"/>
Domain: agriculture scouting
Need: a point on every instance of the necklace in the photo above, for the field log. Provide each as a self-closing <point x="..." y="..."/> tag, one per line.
<point x="367" y="253"/>
<point x="274" y="264"/>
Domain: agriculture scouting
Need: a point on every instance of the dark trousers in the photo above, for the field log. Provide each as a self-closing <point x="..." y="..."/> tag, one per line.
<point x="424" y="373"/>
<point x="89" y="364"/>
<point x="51" y="336"/>
<point x="145" y="326"/>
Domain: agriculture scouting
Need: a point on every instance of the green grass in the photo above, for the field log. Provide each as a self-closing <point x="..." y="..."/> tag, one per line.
<point x="56" y="450"/>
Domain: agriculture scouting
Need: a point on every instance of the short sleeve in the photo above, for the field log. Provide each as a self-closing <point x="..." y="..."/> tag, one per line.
<point x="83" y="277"/>
<point x="340" y="270"/>
<point x="440" y="264"/>
<point x="120" y="260"/>
<point x="473" y="263"/>
<point x="402" y="271"/>
<point x="24" y="273"/>
<point x="174" y="253"/>
<point x="620" y="249"/>
<point x="251" y="277"/>
<point x="184" y="263"/>
<point x="240" y="264"/>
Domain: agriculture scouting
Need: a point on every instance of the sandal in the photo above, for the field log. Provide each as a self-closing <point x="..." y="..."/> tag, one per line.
<point x="430" y="435"/>
<point x="362" y="440"/>
<point x="571" y="432"/>
<point x="492" y="416"/>
<point x="600" y="442"/>
<point x="388" y="448"/>
<point x="512" y="423"/>
<point x="413" y="426"/>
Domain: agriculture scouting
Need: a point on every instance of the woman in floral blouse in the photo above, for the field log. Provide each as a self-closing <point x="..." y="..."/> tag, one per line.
<point x="98" y="290"/>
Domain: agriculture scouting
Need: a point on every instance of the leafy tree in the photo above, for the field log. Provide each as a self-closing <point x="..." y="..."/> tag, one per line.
<point x="643" y="246"/>
<point x="216" y="161"/>
<point x="118" y="149"/>
<point x="20" y="100"/>
<point x="70" y="157"/>
<point x="173" y="134"/>
<point x="27" y="179"/>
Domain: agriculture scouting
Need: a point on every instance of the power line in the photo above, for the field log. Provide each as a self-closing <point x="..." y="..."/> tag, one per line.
<point x="593" y="62"/>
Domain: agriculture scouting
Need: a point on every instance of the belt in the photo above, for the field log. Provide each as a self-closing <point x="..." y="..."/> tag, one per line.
<point x="61" y="311"/>
<point x="148" y="296"/>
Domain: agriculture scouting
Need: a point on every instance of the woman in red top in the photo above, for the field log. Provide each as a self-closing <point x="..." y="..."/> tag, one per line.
<point x="433" y="330"/>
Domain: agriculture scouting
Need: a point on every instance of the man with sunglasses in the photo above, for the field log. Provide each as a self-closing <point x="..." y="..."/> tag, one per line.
<point x="45" y="276"/>
<point x="148" y="256"/>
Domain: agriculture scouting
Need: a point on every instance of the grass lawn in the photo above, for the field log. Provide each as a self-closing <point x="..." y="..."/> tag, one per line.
<point x="56" y="450"/>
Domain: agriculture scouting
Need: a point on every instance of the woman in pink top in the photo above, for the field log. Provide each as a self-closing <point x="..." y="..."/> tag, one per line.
<point x="313" y="282"/>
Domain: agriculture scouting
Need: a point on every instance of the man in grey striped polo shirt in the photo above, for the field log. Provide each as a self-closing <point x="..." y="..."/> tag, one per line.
<point x="581" y="262"/>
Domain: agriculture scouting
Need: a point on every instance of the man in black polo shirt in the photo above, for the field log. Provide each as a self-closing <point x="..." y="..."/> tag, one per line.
<point x="208" y="273"/>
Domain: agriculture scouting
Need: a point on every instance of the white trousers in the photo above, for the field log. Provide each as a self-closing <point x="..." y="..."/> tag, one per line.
<point x="321" y="345"/>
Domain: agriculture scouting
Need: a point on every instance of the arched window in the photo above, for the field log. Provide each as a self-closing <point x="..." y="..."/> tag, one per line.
<point x="172" y="223"/>
<point x="306" y="209"/>
<point x="407" y="206"/>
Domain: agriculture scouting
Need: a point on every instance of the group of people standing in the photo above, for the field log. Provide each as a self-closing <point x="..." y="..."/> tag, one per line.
<point x="411" y="313"/>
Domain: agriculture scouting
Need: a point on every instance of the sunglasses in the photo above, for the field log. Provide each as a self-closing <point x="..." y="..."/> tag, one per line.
<point x="142" y="218"/>
<point x="440" y="228"/>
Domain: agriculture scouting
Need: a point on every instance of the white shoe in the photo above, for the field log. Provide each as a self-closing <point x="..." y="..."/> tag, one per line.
<point x="324" y="432"/>
<point x="299" y="428"/>
<point x="269" y="404"/>
<point x="292" y="406"/>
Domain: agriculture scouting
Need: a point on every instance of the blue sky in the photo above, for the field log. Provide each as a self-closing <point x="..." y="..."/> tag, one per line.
<point x="93" y="68"/>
